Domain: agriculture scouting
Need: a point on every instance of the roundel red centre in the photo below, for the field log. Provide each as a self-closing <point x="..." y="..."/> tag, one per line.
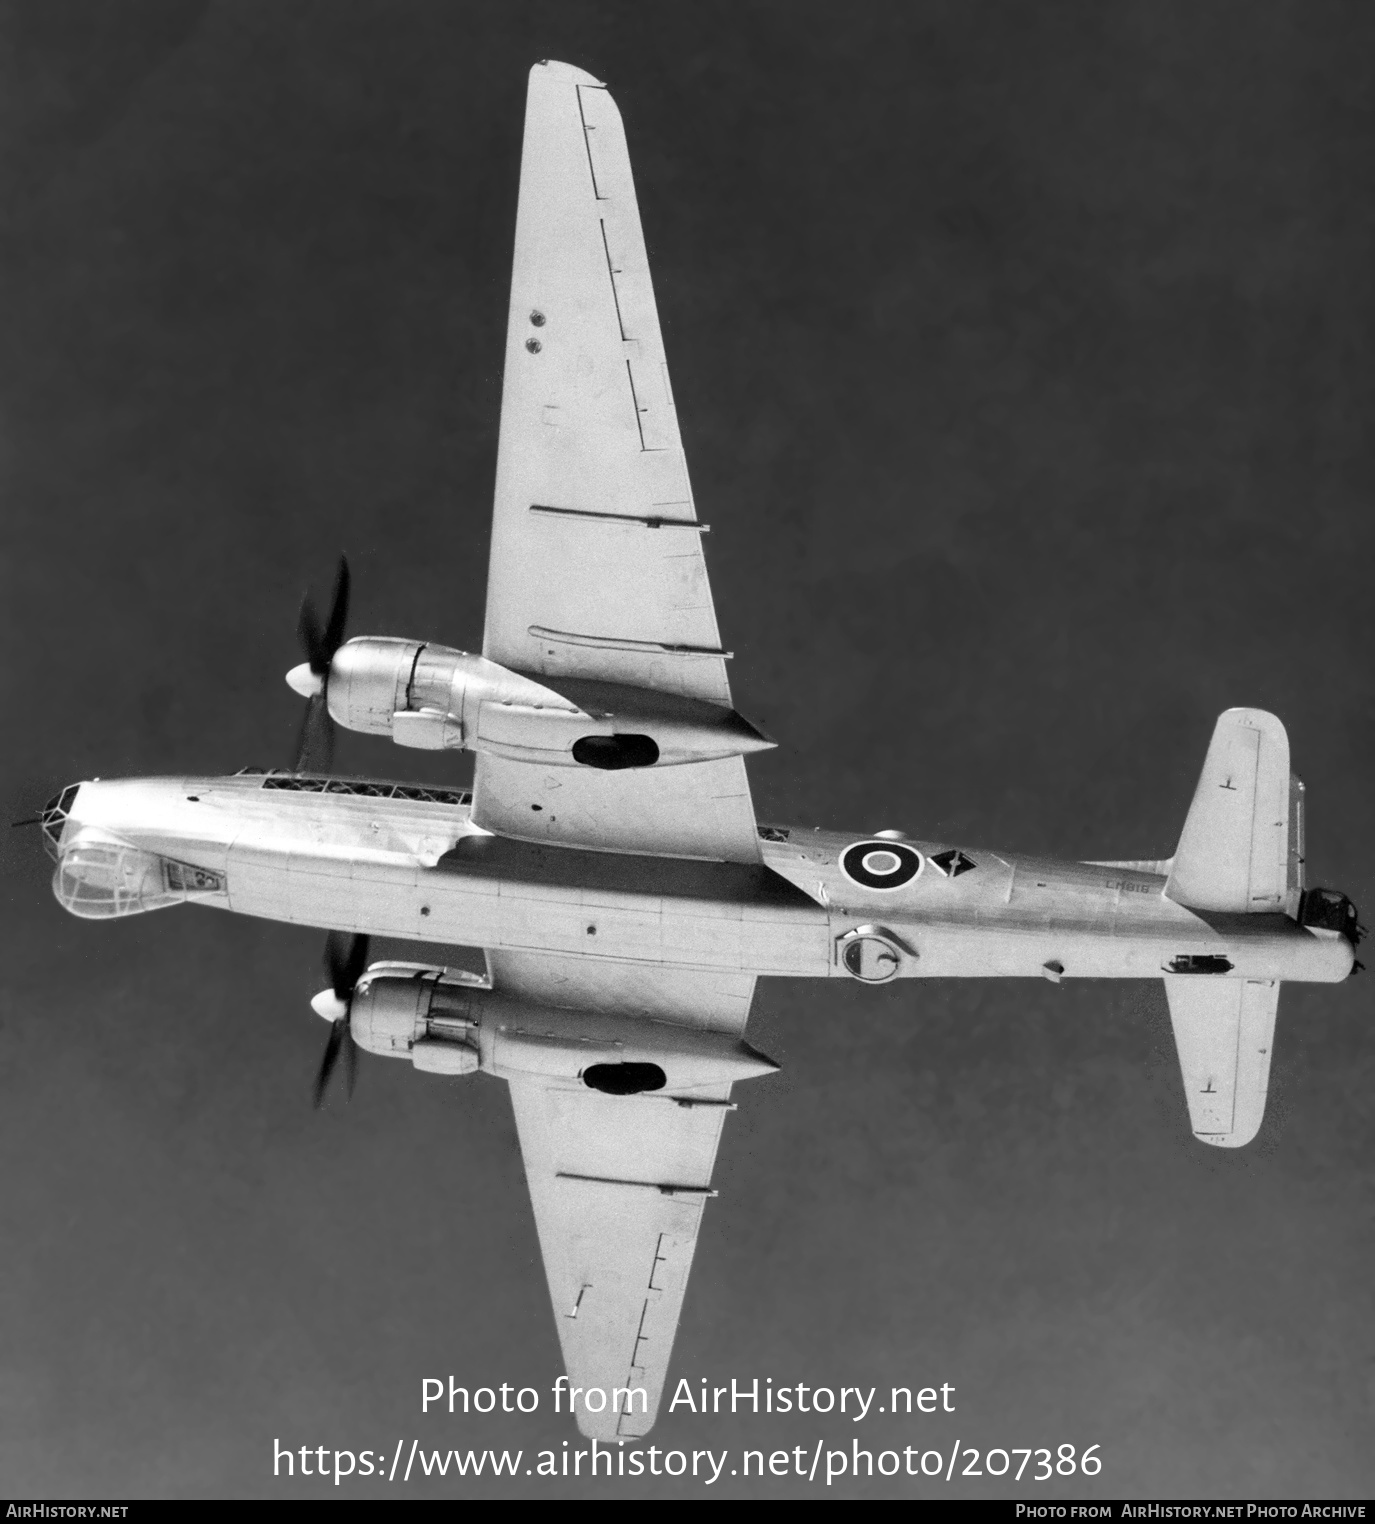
<point x="880" y="864"/>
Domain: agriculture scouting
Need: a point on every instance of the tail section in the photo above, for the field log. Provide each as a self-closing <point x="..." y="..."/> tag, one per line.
<point x="1224" y="1030"/>
<point x="1236" y="851"/>
<point x="1241" y="850"/>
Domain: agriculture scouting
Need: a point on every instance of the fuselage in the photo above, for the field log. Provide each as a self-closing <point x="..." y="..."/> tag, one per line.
<point x="407" y="861"/>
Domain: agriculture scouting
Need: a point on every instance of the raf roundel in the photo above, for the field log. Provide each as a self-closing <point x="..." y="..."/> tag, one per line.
<point x="880" y="864"/>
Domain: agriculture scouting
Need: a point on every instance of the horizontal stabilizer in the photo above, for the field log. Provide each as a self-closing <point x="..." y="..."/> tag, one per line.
<point x="1224" y="1030"/>
<point x="1234" y="852"/>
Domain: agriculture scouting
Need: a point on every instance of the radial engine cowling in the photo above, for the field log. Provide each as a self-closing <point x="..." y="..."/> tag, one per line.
<point x="431" y="697"/>
<point x="409" y="1011"/>
<point x="370" y="683"/>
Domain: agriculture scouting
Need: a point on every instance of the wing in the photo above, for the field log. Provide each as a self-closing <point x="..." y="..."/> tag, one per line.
<point x="1224" y="1030"/>
<point x="618" y="1184"/>
<point x="597" y="570"/>
<point x="589" y="457"/>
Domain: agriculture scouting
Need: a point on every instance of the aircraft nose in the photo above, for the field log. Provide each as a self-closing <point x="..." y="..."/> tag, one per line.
<point x="54" y="818"/>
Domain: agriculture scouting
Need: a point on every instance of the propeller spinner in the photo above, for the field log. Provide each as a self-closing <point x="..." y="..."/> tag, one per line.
<point x="345" y="959"/>
<point x="315" y="746"/>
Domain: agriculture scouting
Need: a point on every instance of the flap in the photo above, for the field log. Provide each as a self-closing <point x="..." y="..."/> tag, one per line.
<point x="707" y="999"/>
<point x="701" y="809"/>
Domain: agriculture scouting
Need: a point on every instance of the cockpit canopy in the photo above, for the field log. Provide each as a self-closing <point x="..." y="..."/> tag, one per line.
<point x="99" y="877"/>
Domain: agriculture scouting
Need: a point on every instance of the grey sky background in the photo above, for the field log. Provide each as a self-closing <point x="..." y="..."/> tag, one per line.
<point x="1023" y="359"/>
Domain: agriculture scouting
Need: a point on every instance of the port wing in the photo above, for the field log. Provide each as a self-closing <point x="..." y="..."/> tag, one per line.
<point x="597" y="570"/>
<point x="1224" y="1030"/>
<point x="618" y="1184"/>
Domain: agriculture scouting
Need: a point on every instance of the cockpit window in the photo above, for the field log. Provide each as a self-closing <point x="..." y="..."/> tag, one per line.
<point x="99" y="880"/>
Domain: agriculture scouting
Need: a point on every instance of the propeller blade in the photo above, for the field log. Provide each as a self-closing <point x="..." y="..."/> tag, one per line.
<point x="315" y="743"/>
<point x="345" y="959"/>
<point x="357" y="960"/>
<point x="350" y="1062"/>
<point x="320" y="642"/>
<point x="336" y="955"/>
<point x="337" y="1032"/>
<point x="311" y="636"/>
<point x="339" y="610"/>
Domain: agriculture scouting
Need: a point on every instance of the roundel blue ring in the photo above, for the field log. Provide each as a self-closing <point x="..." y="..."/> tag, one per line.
<point x="852" y="864"/>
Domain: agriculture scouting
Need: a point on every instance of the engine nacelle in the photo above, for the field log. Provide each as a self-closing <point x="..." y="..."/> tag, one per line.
<point x="409" y="1010"/>
<point x="435" y="698"/>
<point x="425" y="696"/>
<point x="448" y="1022"/>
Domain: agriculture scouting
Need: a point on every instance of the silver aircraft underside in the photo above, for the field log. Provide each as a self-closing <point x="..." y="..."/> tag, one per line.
<point x="362" y="856"/>
<point x="608" y="860"/>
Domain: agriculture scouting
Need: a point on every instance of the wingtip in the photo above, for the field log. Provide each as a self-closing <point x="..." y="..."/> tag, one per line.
<point x="1228" y="1139"/>
<point x="1253" y="719"/>
<point x="552" y="69"/>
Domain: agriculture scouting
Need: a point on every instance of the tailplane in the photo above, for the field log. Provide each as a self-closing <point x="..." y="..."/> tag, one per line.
<point x="1224" y="1030"/>
<point x="1241" y="851"/>
<point x="1241" y="848"/>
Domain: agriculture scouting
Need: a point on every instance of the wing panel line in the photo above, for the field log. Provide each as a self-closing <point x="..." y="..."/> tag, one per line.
<point x="705" y="1191"/>
<point x="587" y="144"/>
<point x="630" y="376"/>
<point x="611" y="272"/>
<point x="647" y="521"/>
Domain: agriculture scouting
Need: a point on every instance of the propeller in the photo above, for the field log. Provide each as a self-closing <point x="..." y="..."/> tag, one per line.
<point x="315" y="745"/>
<point x="345" y="959"/>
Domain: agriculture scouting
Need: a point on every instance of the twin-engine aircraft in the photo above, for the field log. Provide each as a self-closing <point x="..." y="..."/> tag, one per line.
<point x="608" y="859"/>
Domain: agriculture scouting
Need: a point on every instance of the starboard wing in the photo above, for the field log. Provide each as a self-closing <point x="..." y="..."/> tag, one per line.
<point x="597" y="570"/>
<point x="618" y="1184"/>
